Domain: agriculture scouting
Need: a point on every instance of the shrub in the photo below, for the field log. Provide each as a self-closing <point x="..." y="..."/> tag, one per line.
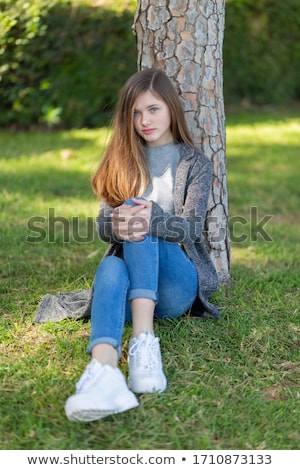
<point x="261" y="51"/>
<point x="62" y="62"/>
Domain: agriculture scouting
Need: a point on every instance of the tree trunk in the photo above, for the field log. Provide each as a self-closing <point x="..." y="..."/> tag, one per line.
<point x="185" y="39"/>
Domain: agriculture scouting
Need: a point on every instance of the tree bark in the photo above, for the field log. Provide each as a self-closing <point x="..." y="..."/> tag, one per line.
<point x="185" y="39"/>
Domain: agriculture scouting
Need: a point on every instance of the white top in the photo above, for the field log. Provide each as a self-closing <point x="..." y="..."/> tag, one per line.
<point x="162" y="163"/>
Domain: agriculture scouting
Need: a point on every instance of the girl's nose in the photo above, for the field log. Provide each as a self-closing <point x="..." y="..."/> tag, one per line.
<point x="145" y="119"/>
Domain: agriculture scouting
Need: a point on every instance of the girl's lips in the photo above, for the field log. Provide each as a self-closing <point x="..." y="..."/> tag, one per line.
<point x="148" y="131"/>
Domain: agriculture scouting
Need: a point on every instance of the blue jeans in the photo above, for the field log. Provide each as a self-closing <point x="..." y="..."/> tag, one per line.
<point x="153" y="269"/>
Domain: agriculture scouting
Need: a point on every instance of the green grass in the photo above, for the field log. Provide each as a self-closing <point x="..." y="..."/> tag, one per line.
<point x="233" y="384"/>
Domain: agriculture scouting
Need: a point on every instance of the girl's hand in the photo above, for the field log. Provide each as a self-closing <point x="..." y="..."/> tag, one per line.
<point x="131" y="223"/>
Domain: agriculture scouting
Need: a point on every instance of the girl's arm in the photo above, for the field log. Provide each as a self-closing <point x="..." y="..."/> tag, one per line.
<point x="130" y="221"/>
<point x="104" y="224"/>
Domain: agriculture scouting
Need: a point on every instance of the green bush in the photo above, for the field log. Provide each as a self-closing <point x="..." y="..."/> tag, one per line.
<point x="261" y="51"/>
<point x="62" y="62"/>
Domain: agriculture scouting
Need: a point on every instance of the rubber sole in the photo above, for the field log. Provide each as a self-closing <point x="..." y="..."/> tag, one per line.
<point x="74" y="413"/>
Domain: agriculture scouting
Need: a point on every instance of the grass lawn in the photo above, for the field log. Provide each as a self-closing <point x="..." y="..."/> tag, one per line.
<point x="234" y="383"/>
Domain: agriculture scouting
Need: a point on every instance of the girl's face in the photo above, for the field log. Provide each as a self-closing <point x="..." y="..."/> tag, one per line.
<point x="152" y="120"/>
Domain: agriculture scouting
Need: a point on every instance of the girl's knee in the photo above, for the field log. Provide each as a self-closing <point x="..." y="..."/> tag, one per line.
<point x="129" y="202"/>
<point x="110" y="269"/>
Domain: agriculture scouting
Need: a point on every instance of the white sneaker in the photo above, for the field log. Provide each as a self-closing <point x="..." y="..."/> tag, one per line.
<point x="101" y="391"/>
<point x="145" y="365"/>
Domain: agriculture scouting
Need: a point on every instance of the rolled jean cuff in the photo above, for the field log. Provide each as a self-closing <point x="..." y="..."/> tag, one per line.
<point x="104" y="340"/>
<point x="142" y="294"/>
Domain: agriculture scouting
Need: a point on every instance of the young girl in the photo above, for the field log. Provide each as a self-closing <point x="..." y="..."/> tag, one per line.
<point x="154" y="187"/>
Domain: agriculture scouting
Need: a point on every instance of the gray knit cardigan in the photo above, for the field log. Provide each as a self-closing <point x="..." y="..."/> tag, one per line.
<point x="191" y="192"/>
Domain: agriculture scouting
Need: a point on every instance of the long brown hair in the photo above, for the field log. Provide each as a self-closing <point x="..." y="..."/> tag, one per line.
<point x="123" y="172"/>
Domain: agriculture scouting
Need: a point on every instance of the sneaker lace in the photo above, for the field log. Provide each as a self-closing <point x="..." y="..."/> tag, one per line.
<point x="87" y="378"/>
<point x="146" y="351"/>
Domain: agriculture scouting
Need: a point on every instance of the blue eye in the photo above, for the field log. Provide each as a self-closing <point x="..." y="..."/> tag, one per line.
<point x="136" y="113"/>
<point x="154" y="109"/>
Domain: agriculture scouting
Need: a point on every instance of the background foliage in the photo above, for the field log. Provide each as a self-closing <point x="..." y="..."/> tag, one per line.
<point x="262" y="51"/>
<point x="62" y="62"/>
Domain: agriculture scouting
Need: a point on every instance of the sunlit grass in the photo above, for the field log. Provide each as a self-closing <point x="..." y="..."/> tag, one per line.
<point x="262" y="168"/>
<point x="232" y="383"/>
